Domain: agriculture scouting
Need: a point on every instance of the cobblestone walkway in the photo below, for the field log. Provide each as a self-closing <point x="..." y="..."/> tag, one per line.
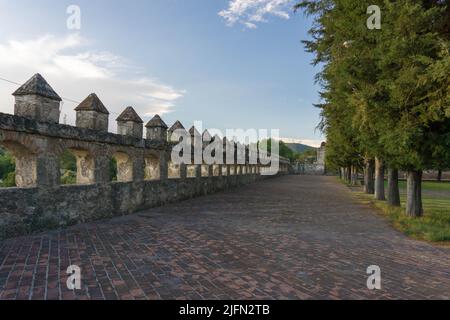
<point x="294" y="237"/>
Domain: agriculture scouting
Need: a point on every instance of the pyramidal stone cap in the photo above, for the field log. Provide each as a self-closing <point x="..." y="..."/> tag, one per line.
<point x="176" y="126"/>
<point x="92" y="103"/>
<point x="129" y="115"/>
<point x="37" y="85"/>
<point x="156" y="122"/>
<point x="193" y="131"/>
<point x="206" y="135"/>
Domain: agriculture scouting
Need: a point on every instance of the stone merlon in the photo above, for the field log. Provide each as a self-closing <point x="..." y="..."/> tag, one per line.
<point x="176" y="126"/>
<point x="92" y="103"/>
<point x="38" y="101"/>
<point x="129" y="115"/>
<point x="92" y="114"/>
<point x="173" y="135"/>
<point x="38" y="86"/>
<point x="156" y="122"/>
<point x="156" y="129"/>
<point x="130" y="124"/>
<point x="194" y="132"/>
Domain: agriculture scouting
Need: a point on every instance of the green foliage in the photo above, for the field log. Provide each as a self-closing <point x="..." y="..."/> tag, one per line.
<point x="68" y="165"/>
<point x="284" y="150"/>
<point x="307" y="156"/>
<point x="68" y="162"/>
<point x="9" y="181"/>
<point x="113" y="170"/>
<point x="415" y="75"/>
<point x="7" y="165"/>
<point x="69" y="177"/>
<point x="299" y="148"/>
<point x="287" y="152"/>
<point x="385" y="92"/>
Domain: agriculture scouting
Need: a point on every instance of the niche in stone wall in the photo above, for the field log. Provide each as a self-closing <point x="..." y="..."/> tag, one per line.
<point x="205" y="170"/>
<point x="191" y="170"/>
<point x="121" y="167"/>
<point x="152" y="168"/>
<point x="216" y="170"/>
<point x="68" y="168"/>
<point x="224" y="170"/>
<point x="76" y="167"/>
<point x="17" y="165"/>
<point x="174" y="171"/>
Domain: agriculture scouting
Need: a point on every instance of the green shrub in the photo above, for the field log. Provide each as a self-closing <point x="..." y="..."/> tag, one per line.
<point x="7" y="164"/>
<point x="113" y="170"/>
<point x="9" y="181"/>
<point x="69" y="177"/>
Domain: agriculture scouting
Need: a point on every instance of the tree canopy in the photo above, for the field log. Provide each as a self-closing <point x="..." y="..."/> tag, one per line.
<point x="385" y="92"/>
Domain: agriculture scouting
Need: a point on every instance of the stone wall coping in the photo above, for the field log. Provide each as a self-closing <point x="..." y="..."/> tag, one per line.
<point x="20" y="124"/>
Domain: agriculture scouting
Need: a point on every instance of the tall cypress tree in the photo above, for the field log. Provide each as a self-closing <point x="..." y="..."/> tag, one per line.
<point x="415" y="77"/>
<point x="385" y="91"/>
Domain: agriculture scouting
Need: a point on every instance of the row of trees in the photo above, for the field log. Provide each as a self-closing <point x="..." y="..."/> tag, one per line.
<point x="308" y="155"/>
<point x="385" y="98"/>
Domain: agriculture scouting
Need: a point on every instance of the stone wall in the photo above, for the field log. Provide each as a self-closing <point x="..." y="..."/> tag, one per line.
<point x="29" y="210"/>
<point x="145" y="175"/>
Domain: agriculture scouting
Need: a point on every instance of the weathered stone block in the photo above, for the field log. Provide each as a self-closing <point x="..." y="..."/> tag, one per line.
<point x="130" y="128"/>
<point x="37" y="108"/>
<point x="92" y="120"/>
<point x="130" y="124"/>
<point x="159" y="134"/>
<point x="37" y="100"/>
<point x="156" y="129"/>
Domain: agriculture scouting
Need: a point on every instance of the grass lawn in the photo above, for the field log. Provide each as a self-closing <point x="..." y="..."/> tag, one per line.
<point x="434" y="226"/>
<point x="429" y="186"/>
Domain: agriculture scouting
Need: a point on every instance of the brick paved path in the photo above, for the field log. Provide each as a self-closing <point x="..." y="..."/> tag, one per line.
<point x="293" y="237"/>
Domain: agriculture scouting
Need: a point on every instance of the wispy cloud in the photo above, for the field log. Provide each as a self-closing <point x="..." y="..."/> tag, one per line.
<point x="251" y="12"/>
<point x="74" y="70"/>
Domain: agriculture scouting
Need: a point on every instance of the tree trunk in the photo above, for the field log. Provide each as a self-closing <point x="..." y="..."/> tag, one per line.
<point x="393" y="190"/>
<point x="379" y="179"/>
<point x="354" y="181"/>
<point x="369" y="186"/>
<point x="414" y="206"/>
<point x="349" y="174"/>
<point x="340" y="173"/>
<point x="439" y="176"/>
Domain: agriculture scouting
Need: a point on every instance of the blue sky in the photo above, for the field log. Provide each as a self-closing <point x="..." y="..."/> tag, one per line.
<point x="245" y="68"/>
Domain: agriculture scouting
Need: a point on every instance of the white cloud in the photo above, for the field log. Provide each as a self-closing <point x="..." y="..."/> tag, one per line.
<point x="75" y="71"/>
<point x="251" y="12"/>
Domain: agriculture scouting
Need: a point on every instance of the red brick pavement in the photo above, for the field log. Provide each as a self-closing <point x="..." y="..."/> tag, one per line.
<point x="294" y="237"/>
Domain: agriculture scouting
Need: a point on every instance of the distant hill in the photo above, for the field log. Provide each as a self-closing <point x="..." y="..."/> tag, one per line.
<point x="299" y="148"/>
